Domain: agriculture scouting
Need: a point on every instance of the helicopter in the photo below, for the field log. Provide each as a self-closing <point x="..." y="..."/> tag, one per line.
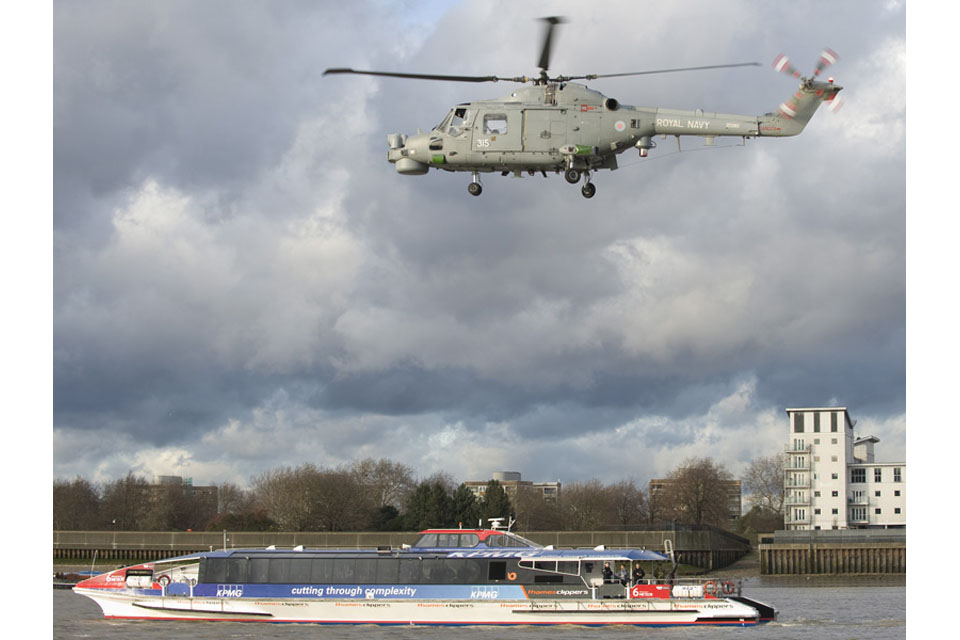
<point x="556" y="125"/>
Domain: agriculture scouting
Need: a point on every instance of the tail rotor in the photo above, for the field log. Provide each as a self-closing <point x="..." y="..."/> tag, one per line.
<point x="790" y="107"/>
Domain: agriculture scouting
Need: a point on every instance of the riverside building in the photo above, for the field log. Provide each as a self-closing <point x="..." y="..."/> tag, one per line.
<point x="832" y="479"/>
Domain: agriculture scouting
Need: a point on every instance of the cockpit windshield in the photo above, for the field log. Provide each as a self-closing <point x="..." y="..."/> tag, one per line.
<point x="456" y="122"/>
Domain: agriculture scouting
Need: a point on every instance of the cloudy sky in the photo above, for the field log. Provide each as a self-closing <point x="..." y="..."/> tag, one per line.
<point x="241" y="281"/>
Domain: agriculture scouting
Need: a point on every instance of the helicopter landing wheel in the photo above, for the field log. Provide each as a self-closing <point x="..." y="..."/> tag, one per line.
<point x="475" y="188"/>
<point x="572" y="176"/>
<point x="588" y="190"/>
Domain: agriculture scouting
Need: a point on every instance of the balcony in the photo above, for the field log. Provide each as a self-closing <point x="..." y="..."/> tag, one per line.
<point x="790" y="448"/>
<point x="790" y="483"/>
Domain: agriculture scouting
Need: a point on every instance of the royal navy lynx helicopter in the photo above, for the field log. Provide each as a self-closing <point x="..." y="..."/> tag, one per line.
<point x="555" y="125"/>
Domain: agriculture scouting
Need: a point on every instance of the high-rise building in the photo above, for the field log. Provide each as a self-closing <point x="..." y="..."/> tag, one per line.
<point x="832" y="479"/>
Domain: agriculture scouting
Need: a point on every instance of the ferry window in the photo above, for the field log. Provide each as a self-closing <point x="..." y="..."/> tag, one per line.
<point x="259" y="568"/>
<point x="387" y="571"/>
<point x="343" y="570"/>
<point x="409" y="571"/>
<point x="494" y="123"/>
<point x="213" y="570"/>
<point x="545" y="565"/>
<point x="497" y="570"/>
<point x="469" y="539"/>
<point x="434" y="571"/>
<point x="541" y="578"/>
<point x="495" y="540"/>
<point x="568" y="567"/>
<point x="237" y="570"/>
<point x="365" y="570"/>
<point x="279" y="570"/>
<point x="466" y="571"/>
<point x="321" y="570"/>
<point x="427" y="540"/>
<point x="447" y="540"/>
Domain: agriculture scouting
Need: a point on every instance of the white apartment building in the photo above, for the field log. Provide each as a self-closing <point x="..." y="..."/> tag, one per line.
<point x="832" y="480"/>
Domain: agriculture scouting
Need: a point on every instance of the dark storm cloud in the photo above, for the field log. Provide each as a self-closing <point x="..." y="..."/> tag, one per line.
<point x="237" y="269"/>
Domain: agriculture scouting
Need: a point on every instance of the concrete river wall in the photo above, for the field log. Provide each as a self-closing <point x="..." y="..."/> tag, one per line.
<point x="852" y="551"/>
<point x="704" y="547"/>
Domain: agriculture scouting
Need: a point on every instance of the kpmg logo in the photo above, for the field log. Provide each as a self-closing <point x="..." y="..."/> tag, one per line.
<point x="229" y="591"/>
<point x="484" y="593"/>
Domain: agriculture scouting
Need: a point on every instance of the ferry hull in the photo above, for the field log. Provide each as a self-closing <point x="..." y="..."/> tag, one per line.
<point x="118" y="604"/>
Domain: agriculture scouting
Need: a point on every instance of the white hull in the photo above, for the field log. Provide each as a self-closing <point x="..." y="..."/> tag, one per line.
<point x="120" y="604"/>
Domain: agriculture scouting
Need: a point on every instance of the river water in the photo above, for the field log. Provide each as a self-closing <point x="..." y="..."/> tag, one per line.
<point x="818" y="609"/>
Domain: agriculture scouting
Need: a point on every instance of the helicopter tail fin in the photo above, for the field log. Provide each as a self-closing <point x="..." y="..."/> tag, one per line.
<point x="793" y="114"/>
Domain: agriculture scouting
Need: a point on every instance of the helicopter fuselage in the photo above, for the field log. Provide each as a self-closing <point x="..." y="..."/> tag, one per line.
<point x="570" y="128"/>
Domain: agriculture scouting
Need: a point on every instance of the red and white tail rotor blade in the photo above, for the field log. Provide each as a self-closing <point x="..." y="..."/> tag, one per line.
<point x="835" y="104"/>
<point x="782" y="64"/>
<point x="827" y="58"/>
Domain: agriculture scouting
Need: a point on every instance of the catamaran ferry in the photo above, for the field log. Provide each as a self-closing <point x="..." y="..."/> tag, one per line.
<point x="449" y="577"/>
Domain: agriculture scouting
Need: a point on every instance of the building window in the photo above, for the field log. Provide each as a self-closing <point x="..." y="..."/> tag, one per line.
<point x="896" y="475"/>
<point x="816" y="512"/>
<point x="877" y="474"/>
<point x="816" y="458"/>
<point x="816" y="441"/>
<point x="876" y="494"/>
<point x="834" y="511"/>
<point x="833" y="476"/>
<point x="816" y="422"/>
<point x="833" y="458"/>
<point x="833" y="441"/>
<point x="798" y="423"/>
<point x="858" y="475"/>
<point x="896" y="510"/>
<point x="833" y="422"/>
<point x="897" y="493"/>
<point x="835" y="494"/>
<point x="816" y="494"/>
<point x="877" y="511"/>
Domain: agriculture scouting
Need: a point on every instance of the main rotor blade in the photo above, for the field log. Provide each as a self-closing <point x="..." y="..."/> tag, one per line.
<point x="594" y="76"/>
<point x="424" y="76"/>
<point x="544" y="62"/>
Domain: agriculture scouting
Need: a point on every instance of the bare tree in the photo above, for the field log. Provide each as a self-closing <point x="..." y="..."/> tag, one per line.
<point x="628" y="501"/>
<point x="763" y="483"/>
<point x="125" y="503"/>
<point x="284" y="494"/>
<point x="387" y="483"/>
<point x="697" y="492"/>
<point x="534" y="513"/>
<point x="76" y="505"/>
<point x="586" y="505"/>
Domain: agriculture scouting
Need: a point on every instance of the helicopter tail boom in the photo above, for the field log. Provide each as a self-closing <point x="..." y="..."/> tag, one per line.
<point x="792" y="115"/>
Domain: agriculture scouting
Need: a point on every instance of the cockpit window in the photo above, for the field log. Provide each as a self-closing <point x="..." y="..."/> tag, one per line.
<point x="459" y="121"/>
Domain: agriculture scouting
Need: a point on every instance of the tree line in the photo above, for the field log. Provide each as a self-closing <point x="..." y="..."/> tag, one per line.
<point x="384" y="495"/>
